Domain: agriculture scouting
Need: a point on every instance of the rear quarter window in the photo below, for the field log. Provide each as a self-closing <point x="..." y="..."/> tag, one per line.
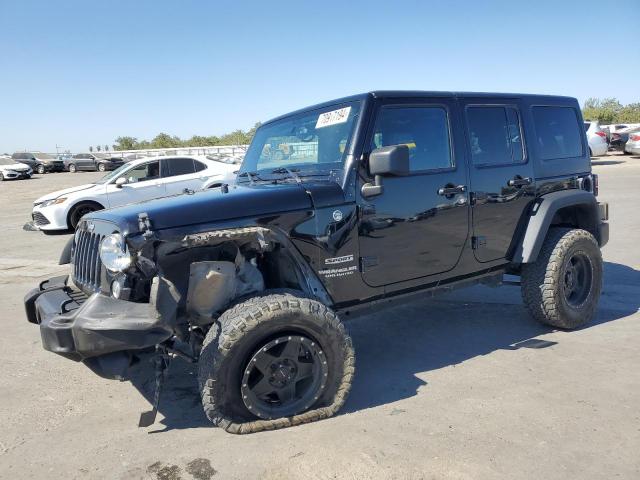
<point x="557" y="132"/>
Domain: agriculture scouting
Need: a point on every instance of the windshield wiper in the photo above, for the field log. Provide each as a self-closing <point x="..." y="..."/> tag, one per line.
<point x="291" y="173"/>
<point x="250" y="176"/>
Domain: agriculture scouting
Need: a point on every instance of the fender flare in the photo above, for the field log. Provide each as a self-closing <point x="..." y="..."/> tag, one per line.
<point x="541" y="216"/>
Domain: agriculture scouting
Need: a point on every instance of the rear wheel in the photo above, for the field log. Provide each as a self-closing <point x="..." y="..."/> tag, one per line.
<point x="73" y="168"/>
<point x="79" y="210"/>
<point x="40" y="169"/>
<point x="273" y="361"/>
<point x="562" y="287"/>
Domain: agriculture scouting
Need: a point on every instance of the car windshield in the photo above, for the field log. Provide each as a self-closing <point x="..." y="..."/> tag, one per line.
<point x="114" y="174"/>
<point x="312" y="140"/>
<point x="43" y="156"/>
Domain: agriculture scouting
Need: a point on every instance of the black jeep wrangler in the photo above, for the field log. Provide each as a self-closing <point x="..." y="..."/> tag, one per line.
<point x="358" y="202"/>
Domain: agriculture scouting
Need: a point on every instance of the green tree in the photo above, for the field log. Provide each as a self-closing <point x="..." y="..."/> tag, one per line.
<point x="99" y="148"/>
<point x="126" y="143"/>
<point x="91" y="149"/>
<point x="630" y="113"/>
<point x="606" y="111"/>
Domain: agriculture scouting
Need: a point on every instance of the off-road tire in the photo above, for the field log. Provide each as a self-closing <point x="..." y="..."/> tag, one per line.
<point x="242" y="328"/>
<point x="543" y="281"/>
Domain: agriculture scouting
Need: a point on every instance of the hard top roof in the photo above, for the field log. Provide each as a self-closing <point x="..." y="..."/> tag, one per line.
<point x="422" y="93"/>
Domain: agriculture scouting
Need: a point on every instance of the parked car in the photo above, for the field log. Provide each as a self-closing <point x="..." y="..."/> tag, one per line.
<point x="39" y="162"/>
<point x="10" y="170"/>
<point x="633" y="144"/>
<point x="253" y="282"/>
<point x="93" y="162"/>
<point x="134" y="181"/>
<point x="597" y="139"/>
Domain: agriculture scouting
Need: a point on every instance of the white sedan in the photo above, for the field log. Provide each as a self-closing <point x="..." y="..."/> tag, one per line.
<point x="10" y="170"/>
<point x="597" y="138"/>
<point x="136" y="181"/>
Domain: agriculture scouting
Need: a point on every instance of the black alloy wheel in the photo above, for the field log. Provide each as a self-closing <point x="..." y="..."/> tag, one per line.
<point x="284" y="376"/>
<point x="578" y="279"/>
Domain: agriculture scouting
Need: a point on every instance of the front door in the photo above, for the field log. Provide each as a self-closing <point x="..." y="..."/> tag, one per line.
<point x="502" y="179"/>
<point x="143" y="183"/>
<point x="418" y="226"/>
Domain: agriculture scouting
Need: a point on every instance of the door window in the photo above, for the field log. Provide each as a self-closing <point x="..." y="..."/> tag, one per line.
<point x="558" y="132"/>
<point x="143" y="172"/>
<point x="425" y="130"/>
<point x="199" y="166"/>
<point x="179" y="166"/>
<point x="495" y="135"/>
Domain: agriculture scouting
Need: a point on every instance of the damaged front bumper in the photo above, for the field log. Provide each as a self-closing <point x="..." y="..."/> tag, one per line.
<point x="99" y="330"/>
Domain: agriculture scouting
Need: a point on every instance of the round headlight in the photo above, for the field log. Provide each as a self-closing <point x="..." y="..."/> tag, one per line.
<point x="114" y="254"/>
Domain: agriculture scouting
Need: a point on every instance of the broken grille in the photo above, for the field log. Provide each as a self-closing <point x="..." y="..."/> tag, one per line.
<point x="86" y="260"/>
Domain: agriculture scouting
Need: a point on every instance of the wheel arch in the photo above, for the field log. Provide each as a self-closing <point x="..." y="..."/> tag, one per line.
<point x="567" y="208"/>
<point x="79" y="202"/>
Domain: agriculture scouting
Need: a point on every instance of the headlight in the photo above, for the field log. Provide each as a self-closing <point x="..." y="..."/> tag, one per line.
<point x="53" y="201"/>
<point x="114" y="254"/>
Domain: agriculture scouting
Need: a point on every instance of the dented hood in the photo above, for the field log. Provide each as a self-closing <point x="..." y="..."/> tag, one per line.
<point x="211" y="206"/>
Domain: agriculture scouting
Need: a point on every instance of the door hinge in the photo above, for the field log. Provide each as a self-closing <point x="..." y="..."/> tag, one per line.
<point x="367" y="263"/>
<point x="477" y="242"/>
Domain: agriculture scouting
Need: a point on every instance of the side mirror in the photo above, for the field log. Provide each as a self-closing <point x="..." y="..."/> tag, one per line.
<point x="386" y="161"/>
<point x="120" y="182"/>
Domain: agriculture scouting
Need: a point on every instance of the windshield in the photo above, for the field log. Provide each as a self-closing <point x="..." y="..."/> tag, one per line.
<point x="114" y="174"/>
<point x="312" y="140"/>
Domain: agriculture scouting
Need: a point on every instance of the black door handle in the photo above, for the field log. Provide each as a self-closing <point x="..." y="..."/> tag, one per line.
<point x="518" y="181"/>
<point x="449" y="190"/>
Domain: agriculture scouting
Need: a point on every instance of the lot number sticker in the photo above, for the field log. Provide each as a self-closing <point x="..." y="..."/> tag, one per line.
<point x="333" y="117"/>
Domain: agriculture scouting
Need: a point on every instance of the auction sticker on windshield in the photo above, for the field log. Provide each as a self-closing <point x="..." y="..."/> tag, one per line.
<point x="333" y="117"/>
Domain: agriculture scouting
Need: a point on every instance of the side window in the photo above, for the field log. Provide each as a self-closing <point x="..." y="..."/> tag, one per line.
<point x="179" y="166"/>
<point x="495" y="135"/>
<point x="199" y="166"/>
<point x="557" y="132"/>
<point x="425" y="130"/>
<point x="143" y="172"/>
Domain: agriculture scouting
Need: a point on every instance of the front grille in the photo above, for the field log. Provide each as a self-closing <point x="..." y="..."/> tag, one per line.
<point x="86" y="260"/>
<point x="39" y="219"/>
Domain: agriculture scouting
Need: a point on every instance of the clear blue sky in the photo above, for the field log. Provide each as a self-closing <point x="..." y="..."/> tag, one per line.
<point x="80" y="73"/>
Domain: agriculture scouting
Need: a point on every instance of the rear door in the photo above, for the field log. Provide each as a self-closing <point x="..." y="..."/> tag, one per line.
<point x="413" y="229"/>
<point x="182" y="173"/>
<point x="502" y="178"/>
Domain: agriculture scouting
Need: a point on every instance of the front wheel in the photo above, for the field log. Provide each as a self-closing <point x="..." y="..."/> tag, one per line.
<point x="78" y="211"/>
<point x="102" y="167"/>
<point x="40" y="169"/>
<point x="562" y="287"/>
<point x="73" y="168"/>
<point x="273" y="361"/>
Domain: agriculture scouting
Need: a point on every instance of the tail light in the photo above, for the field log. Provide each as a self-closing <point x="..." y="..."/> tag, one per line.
<point x="634" y="138"/>
<point x="589" y="184"/>
<point x="601" y="134"/>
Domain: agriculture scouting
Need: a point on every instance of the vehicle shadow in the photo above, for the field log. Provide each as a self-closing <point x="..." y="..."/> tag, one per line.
<point x="606" y="162"/>
<point x="397" y="348"/>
